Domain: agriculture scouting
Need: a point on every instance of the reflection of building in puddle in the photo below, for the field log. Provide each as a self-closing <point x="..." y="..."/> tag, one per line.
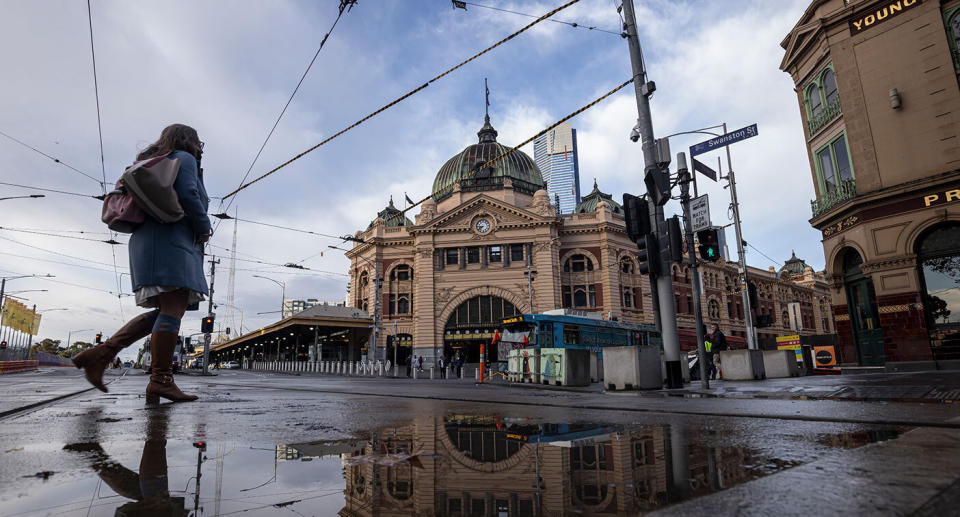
<point x="487" y="466"/>
<point x="308" y="451"/>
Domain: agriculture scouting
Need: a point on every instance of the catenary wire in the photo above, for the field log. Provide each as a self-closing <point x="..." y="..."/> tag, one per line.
<point x="114" y="242"/>
<point x="54" y="252"/>
<point x="564" y="22"/>
<point x="57" y="262"/>
<point x="343" y="6"/>
<point x="400" y="99"/>
<point x="55" y="159"/>
<point x="508" y="152"/>
<point x="103" y="167"/>
<point x="280" y="227"/>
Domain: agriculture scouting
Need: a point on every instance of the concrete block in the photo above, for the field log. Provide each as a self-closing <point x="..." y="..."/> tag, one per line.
<point x="742" y="365"/>
<point x="632" y="367"/>
<point x="565" y="366"/>
<point x="780" y="363"/>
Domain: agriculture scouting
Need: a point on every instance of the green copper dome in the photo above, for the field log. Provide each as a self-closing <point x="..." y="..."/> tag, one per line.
<point x="589" y="202"/>
<point x="387" y="213"/>
<point x="518" y="166"/>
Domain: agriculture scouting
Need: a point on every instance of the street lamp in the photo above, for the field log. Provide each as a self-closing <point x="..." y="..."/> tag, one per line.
<point x="283" y="291"/>
<point x="22" y="197"/>
<point x="376" y="307"/>
<point x="71" y="333"/>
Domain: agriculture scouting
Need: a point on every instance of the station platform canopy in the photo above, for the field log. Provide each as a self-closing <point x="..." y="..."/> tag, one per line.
<point x="322" y="332"/>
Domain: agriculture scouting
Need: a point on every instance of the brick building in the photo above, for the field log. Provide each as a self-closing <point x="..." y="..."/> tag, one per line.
<point x="450" y="276"/>
<point x="876" y="83"/>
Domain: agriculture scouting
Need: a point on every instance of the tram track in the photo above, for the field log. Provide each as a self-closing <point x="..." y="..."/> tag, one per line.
<point x="34" y="406"/>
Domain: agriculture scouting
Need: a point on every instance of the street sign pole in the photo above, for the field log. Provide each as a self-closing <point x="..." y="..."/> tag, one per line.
<point x="688" y="220"/>
<point x="725" y="140"/>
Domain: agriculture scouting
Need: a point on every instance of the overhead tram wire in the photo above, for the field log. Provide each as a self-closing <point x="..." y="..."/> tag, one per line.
<point x="401" y="98"/>
<point x="343" y="5"/>
<point x="55" y="159"/>
<point x="110" y="241"/>
<point x="564" y="22"/>
<point x="98" y="197"/>
<point x="38" y="248"/>
<point x="318" y="234"/>
<point x="103" y="167"/>
<point x="508" y="152"/>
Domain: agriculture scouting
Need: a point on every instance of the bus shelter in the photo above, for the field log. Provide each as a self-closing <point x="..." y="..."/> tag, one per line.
<point x="320" y="333"/>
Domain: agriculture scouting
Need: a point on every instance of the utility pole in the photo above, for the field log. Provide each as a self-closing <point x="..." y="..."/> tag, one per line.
<point x="744" y="290"/>
<point x="685" y="180"/>
<point x="376" y="311"/>
<point x="206" y="337"/>
<point x="664" y="283"/>
<point x="396" y="346"/>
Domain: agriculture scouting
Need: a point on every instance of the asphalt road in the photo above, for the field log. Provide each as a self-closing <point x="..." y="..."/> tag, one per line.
<point x="780" y="448"/>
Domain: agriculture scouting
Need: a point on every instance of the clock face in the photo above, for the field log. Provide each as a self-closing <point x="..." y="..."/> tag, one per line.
<point x="482" y="226"/>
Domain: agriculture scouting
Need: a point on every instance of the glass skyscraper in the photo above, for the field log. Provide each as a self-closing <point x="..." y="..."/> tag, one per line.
<point x="556" y="155"/>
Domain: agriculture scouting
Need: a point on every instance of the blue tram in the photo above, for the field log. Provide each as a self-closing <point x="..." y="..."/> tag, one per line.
<point x="564" y="328"/>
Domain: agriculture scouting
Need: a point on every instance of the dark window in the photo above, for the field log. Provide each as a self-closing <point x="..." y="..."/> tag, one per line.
<point x="813" y="97"/>
<point x="676" y="303"/>
<point x="495" y="253"/>
<point x="516" y="252"/>
<point x="843" y="159"/>
<point x="579" y="296"/>
<point x="830" y="87"/>
<point x="473" y="255"/>
<point x="567" y="297"/>
<point x="593" y="295"/>
<point x="391" y="304"/>
<point x="571" y="334"/>
<point x="403" y="304"/>
<point x="689" y="305"/>
<point x="627" y="297"/>
<point x="402" y="272"/>
<point x="578" y="263"/>
<point x="453" y="255"/>
<point x="454" y="505"/>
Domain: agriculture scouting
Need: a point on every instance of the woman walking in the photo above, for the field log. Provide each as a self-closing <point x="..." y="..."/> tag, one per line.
<point x="166" y="270"/>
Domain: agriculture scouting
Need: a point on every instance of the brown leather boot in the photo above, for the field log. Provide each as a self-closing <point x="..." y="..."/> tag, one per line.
<point x="161" y="384"/>
<point x="95" y="360"/>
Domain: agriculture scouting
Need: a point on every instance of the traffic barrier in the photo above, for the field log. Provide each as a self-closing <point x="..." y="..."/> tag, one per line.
<point x="632" y="367"/>
<point x="778" y="364"/>
<point x="17" y="366"/>
<point x="565" y="366"/>
<point x="742" y="365"/>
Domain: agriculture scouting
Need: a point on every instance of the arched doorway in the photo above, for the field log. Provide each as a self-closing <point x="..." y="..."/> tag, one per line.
<point x="404" y="344"/>
<point x="864" y="317"/>
<point x="938" y="257"/>
<point x="474" y="322"/>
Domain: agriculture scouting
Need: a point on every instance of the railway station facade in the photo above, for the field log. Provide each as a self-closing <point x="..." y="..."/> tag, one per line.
<point x="491" y="245"/>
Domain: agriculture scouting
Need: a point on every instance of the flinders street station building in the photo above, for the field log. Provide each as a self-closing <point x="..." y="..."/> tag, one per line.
<point x="492" y="245"/>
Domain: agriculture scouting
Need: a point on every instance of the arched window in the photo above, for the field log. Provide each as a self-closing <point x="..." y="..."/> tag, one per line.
<point x="786" y="318"/>
<point x="955" y="29"/>
<point x="361" y="294"/>
<point x="830" y="87"/>
<point x="401" y="289"/>
<point x="578" y="264"/>
<point x="814" y="102"/>
<point x="938" y="255"/>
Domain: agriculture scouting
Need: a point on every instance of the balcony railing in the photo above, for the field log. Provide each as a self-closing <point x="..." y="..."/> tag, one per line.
<point x="829" y="112"/>
<point x="847" y="189"/>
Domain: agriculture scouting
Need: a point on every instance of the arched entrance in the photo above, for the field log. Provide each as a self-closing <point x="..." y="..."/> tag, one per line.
<point x="938" y="257"/>
<point x="474" y="322"/>
<point x="864" y="317"/>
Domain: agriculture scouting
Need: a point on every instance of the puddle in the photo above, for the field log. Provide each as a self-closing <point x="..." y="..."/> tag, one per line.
<point x="454" y="466"/>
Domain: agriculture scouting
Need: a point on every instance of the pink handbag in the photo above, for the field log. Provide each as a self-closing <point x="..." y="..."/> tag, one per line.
<point x="120" y="212"/>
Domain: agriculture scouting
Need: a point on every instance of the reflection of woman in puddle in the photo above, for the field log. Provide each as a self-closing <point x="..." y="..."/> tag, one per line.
<point x="148" y="489"/>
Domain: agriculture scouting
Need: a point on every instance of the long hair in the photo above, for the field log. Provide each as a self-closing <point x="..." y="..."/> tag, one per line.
<point x="175" y="137"/>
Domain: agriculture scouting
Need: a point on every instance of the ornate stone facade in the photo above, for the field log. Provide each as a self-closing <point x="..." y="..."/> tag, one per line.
<point x="451" y="275"/>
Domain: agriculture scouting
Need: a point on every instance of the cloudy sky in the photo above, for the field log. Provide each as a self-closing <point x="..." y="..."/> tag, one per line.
<point x="228" y="67"/>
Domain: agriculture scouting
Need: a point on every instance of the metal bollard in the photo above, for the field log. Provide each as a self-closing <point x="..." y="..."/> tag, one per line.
<point x="476" y="374"/>
<point x="414" y="374"/>
<point x="461" y="372"/>
<point x="446" y="374"/>
<point x="381" y="370"/>
<point x="431" y="373"/>
<point x="396" y="370"/>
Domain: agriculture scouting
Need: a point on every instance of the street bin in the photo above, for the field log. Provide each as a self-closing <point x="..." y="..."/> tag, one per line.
<point x="565" y="366"/>
<point x="632" y="367"/>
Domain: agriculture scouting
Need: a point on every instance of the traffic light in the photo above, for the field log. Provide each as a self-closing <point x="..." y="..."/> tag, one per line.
<point x="187" y="345"/>
<point x="636" y="213"/>
<point x="657" y="181"/>
<point x="3" y="345"/>
<point x="200" y="445"/>
<point x="673" y="240"/>
<point x="648" y="255"/>
<point x="709" y="244"/>
<point x="206" y="324"/>
<point x="99" y="338"/>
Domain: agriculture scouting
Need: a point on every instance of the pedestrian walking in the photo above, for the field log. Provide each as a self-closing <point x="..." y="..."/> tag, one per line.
<point x="443" y="371"/>
<point x="409" y="365"/>
<point x="719" y="345"/>
<point x="708" y="357"/>
<point x="419" y="363"/>
<point x="166" y="270"/>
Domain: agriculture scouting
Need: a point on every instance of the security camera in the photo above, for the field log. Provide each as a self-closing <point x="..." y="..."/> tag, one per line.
<point x="634" y="135"/>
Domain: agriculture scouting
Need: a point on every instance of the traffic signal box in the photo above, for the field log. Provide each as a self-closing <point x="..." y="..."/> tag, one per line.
<point x="99" y="338"/>
<point x="206" y="324"/>
<point x="709" y="246"/>
<point x="3" y="345"/>
<point x="636" y="212"/>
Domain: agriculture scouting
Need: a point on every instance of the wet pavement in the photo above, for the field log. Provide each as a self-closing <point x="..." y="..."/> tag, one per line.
<point x="268" y="444"/>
